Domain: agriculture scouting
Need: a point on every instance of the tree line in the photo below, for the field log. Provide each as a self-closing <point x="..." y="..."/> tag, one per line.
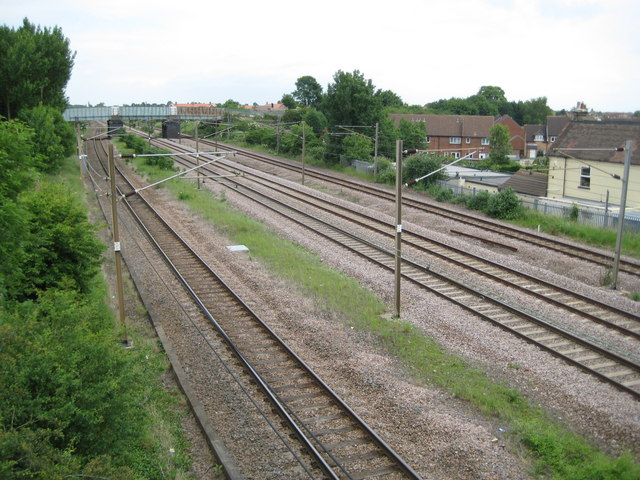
<point x="70" y="396"/>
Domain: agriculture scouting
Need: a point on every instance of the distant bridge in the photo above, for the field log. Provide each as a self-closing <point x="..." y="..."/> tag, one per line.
<point x="80" y="114"/>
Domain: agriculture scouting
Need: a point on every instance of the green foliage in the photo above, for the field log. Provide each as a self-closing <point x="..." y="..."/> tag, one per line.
<point x="69" y="394"/>
<point x="504" y="204"/>
<point x="54" y="138"/>
<point x="317" y="121"/>
<point x="574" y="213"/>
<point x="351" y="100"/>
<point x="60" y="247"/>
<point x="135" y="143"/>
<point x="358" y="146"/>
<point x="17" y="173"/>
<point x="258" y="135"/>
<point x="389" y="99"/>
<point x="479" y="201"/>
<point x="422" y="164"/>
<point x="499" y="144"/>
<point x="288" y="101"/>
<point x="308" y="91"/>
<point x="412" y="134"/>
<point x="35" y="66"/>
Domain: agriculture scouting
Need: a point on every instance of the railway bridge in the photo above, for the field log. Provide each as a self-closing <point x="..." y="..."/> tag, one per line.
<point x="170" y="115"/>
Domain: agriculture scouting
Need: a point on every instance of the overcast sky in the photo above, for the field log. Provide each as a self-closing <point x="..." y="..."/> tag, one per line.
<point x="254" y="50"/>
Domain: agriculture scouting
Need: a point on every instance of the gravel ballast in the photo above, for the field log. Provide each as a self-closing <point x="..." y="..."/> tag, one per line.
<point x="437" y="434"/>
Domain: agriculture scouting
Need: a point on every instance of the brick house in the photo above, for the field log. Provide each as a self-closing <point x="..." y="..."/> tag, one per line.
<point x="539" y="137"/>
<point x="517" y="133"/>
<point x="454" y="135"/>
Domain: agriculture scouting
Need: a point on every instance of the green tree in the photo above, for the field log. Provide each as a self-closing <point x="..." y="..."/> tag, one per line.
<point x="358" y="146"/>
<point x="317" y="121"/>
<point x="17" y="174"/>
<point x="499" y="144"/>
<point x="231" y="104"/>
<point x="60" y="246"/>
<point x="54" y="138"/>
<point x="35" y="67"/>
<point x="351" y="100"/>
<point x="308" y="91"/>
<point x="389" y="99"/>
<point x="288" y="101"/>
<point x="412" y="134"/>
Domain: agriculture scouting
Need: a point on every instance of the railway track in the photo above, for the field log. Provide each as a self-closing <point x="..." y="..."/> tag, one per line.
<point x="590" y="309"/>
<point x="582" y="252"/>
<point x="621" y="370"/>
<point x="336" y="442"/>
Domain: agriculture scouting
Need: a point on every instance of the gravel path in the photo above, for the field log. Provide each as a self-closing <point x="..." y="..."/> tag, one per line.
<point x="437" y="434"/>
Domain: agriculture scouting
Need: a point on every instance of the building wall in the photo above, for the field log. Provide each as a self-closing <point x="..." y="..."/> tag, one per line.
<point x="565" y="175"/>
<point x="443" y="146"/>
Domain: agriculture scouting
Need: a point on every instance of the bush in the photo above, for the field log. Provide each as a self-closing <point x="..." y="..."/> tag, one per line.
<point x="480" y="201"/>
<point x="421" y="164"/>
<point x="445" y="195"/>
<point x="60" y="247"/>
<point x="135" y="143"/>
<point x="504" y="205"/>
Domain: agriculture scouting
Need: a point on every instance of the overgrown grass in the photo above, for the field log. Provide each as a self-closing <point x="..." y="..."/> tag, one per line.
<point x="555" y="452"/>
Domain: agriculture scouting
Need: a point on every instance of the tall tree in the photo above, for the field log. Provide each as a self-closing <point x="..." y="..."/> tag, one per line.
<point x="413" y="134"/>
<point x="308" y="91"/>
<point x="351" y="100"/>
<point x="390" y="99"/>
<point x="499" y="144"/>
<point x="54" y="138"/>
<point x="35" y="66"/>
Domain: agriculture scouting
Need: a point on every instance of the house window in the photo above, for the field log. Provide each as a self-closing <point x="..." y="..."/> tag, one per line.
<point x="485" y="141"/>
<point x="538" y="138"/>
<point x="553" y="139"/>
<point x="482" y="156"/>
<point x="467" y="140"/>
<point x="455" y="139"/>
<point x="585" y="177"/>
<point x="455" y="154"/>
<point x="428" y="139"/>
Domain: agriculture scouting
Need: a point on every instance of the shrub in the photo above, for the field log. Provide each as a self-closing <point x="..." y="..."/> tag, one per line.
<point x="480" y="201"/>
<point x="445" y="195"/>
<point x="504" y="204"/>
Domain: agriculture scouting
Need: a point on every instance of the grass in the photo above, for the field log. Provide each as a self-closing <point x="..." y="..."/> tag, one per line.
<point x="599" y="237"/>
<point x="554" y="451"/>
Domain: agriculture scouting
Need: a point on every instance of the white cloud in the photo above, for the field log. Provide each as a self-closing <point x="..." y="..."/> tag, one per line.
<point x="253" y="51"/>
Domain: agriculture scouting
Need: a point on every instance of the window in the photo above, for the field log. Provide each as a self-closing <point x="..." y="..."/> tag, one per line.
<point x="538" y="138"/>
<point x="455" y="154"/>
<point x="552" y="139"/>
<point x="455" y="139"/>
<point x="428" y="139"/>
<point x="482" y="156"/>
<point x="485" y="141"/>
<point x="467" y="140"/>
<point x="585" y="177"/>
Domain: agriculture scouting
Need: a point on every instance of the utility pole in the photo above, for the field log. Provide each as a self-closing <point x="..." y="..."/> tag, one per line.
<point x="303" y="149"/>
<point x="116" y="244"/>
<point x="375" y="155"/>
<point x="398" y="272"/>
<point x="623" y="205"/>
<point x="197" y="155"/>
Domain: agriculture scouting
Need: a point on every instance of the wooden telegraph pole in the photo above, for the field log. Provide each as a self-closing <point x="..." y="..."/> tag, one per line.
<point x="398" y="227"/>
<point x="116" y="244"/>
